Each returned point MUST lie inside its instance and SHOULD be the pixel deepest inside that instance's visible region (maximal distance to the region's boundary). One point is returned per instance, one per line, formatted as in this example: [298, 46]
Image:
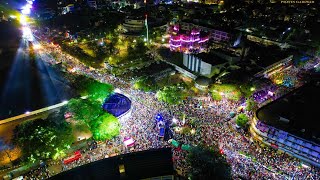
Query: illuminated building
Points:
[215, 35]
[189, 41]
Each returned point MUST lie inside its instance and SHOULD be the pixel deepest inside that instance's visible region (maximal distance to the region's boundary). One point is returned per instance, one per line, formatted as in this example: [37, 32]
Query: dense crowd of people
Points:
[209, 119]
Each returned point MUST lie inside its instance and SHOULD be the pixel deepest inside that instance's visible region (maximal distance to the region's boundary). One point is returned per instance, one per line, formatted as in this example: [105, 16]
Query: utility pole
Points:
[146, 20]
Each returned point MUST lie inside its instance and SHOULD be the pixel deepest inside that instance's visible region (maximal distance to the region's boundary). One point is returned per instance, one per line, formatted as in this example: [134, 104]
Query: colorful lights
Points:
[190, 42]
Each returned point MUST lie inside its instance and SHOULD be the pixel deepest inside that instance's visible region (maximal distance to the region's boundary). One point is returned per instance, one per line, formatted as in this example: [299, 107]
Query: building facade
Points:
[195, 64]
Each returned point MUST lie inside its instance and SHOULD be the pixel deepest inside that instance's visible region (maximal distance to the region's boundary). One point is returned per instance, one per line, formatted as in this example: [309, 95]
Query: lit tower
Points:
[146, 20]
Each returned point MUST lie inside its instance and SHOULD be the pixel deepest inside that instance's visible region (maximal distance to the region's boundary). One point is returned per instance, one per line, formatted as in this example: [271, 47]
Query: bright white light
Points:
[27, 112]
[25, 10]
[145, 39]
[117, 90]
[28, 6]
[23, 20]
[13, 16]
[174, 120]
[65, 102]
[270, 93]
[304, 165]
[26, 33]
[37, 46]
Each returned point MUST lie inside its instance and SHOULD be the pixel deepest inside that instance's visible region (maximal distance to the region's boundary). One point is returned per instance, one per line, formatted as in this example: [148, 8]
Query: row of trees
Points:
[89, 110]
[50, 138]
[43, 139]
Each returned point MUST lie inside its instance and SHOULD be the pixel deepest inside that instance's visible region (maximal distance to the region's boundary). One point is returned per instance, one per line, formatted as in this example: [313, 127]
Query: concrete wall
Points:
[195, 64]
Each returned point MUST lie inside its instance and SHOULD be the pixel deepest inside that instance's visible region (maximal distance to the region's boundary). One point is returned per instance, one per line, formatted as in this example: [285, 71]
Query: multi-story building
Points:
[133, 24]
[193, 41]
[216, 35]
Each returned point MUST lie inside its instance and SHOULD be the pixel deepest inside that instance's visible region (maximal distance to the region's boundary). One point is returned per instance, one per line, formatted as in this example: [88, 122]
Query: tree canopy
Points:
[242, 120]
[250, 104]
[229, 91]
[207, 164]
[43, 139]
[92, 88]
[171, 94]
[85, 110]
[145, 84]
[105, 127]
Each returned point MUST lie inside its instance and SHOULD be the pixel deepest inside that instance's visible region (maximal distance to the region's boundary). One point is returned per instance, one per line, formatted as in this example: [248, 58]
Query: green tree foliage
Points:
[207, 164]
[105, 127]
[43, 139]
[251, 104]
[242, 120]
[247, 89]
[171, 94]
[228, 91]
[92, 88]
[216, 96]
[145, 84]
[85, 110]
[99, 91]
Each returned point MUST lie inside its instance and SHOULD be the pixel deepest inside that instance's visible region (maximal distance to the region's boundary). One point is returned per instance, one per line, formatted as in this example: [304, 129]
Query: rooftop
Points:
[296, 113]
[210, 58]
[138, 165]
[265, 56]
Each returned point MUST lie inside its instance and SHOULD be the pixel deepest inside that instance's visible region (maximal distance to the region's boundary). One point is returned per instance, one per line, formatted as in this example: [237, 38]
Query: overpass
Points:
[33, 113]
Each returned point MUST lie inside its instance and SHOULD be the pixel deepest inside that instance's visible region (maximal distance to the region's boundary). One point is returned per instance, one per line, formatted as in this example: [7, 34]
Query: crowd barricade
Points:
[77, 155]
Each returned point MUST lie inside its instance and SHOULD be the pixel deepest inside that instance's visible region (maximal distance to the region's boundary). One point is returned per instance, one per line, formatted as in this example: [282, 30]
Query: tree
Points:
[43, 139]
[171, 94]
[99, 91]
[92, 88]
[251, 104]
[145, 84]
[207, 164]
[105, 127]
[85, 110]
[216, 96]
[229, 91]
[242, 120]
